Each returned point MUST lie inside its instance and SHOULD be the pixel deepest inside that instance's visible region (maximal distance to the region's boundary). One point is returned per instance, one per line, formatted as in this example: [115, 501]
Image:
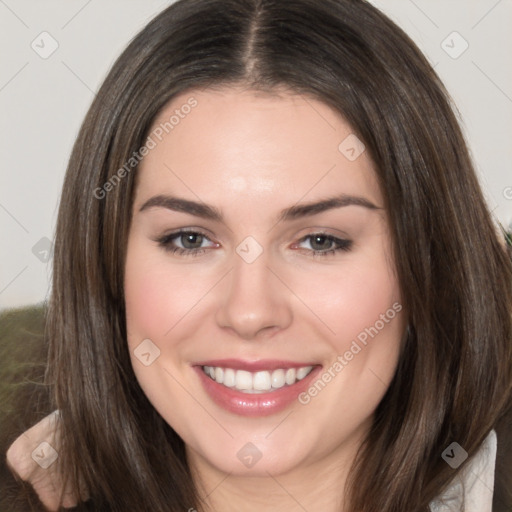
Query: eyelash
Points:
[166, 241]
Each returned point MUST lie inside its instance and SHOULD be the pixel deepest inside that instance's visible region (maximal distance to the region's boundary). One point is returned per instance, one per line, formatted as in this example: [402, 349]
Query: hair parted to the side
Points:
[454, 376]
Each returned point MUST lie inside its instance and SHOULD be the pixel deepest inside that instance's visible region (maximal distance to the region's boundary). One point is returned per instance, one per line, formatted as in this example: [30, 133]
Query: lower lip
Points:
[248, 404]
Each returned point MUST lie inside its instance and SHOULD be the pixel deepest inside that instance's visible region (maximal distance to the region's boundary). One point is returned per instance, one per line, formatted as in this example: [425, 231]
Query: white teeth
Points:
[219, 375]
[302, 372]
[261, 381]
[243, 380]
[257, 382]
[278, 379]
[289, 376]
[229, 378]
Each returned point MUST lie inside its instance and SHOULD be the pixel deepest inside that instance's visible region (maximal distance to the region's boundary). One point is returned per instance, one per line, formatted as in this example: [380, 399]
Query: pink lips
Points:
[261, 404]
[253, 366]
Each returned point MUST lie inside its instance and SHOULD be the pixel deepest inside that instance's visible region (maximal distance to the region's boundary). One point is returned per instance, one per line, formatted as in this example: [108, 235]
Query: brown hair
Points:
[454, 376]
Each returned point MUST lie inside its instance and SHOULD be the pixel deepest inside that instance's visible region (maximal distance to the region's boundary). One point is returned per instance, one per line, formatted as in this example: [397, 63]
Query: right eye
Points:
[186, 242]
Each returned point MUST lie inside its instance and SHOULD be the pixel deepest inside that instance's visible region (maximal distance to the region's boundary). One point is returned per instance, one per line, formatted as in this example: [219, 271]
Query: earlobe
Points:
[32, 457]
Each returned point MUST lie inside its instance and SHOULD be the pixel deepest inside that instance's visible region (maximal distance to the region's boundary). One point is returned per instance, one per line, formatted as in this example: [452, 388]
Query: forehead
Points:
[234, 144]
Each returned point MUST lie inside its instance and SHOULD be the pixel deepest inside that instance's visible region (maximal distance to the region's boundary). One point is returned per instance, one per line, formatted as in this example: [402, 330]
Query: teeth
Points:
[243, 380]
[278, 379]
[229, 378]
[290, 376]
[302, 372]
[261, 381]
[257, 382]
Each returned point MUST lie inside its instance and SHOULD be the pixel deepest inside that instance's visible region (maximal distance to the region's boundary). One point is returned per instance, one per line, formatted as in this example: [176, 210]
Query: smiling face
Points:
[283, 285]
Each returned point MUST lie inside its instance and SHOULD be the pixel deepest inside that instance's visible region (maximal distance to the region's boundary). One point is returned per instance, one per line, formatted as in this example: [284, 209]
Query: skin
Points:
[46, 481]
[251, 156]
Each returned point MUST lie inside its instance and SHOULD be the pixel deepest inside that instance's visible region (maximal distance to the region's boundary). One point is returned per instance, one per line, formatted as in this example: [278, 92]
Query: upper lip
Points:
[254, 366]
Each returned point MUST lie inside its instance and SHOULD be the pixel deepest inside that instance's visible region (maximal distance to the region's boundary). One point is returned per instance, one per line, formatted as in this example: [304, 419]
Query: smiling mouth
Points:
[256, 382]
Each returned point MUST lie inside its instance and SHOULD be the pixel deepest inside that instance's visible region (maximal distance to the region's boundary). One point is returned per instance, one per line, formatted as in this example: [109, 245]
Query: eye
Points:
[186, 242]
[193, 243]
[321, 244]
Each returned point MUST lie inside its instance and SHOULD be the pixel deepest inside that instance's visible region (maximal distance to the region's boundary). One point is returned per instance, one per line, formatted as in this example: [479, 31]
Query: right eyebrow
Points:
[183, 205]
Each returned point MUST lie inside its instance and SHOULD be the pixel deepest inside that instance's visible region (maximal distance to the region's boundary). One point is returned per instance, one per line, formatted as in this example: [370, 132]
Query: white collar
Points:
[475, 485]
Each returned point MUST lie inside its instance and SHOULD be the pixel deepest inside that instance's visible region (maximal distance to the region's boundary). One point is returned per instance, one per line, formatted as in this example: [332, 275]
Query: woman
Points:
[269, 290]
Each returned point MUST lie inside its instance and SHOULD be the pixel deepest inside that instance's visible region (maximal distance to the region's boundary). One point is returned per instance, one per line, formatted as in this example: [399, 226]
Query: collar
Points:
[474, 486]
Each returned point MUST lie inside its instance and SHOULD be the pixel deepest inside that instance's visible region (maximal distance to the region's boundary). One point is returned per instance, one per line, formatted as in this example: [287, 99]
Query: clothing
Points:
[475, 485]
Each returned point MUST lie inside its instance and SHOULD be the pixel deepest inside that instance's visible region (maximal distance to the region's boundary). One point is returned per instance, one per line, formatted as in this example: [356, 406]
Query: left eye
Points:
[320, 243]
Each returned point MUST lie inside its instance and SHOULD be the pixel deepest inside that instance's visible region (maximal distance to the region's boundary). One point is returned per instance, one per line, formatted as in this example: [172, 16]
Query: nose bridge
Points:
[251, 281]
[254, 299]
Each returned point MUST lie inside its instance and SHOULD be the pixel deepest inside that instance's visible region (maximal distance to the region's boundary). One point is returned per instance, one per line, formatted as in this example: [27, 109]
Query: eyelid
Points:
[319, 230]
[179, 231]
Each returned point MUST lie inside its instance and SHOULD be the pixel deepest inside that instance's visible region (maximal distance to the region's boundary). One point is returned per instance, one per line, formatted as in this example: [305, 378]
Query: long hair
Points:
[454, 377]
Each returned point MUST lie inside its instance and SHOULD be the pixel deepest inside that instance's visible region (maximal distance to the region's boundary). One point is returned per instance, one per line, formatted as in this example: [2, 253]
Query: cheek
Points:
[147, 304]
[364, 313]
[157, 295]
[361, 306]
[355, 299]
[152, 309]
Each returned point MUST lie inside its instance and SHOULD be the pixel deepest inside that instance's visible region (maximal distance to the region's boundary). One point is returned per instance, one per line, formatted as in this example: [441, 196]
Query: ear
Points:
[33, 458]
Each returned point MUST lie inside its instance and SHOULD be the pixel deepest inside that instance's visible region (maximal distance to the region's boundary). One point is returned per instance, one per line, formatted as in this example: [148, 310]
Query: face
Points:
[263, 309]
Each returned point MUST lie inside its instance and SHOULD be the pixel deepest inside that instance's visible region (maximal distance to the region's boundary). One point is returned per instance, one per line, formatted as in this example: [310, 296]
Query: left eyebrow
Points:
[294, 212]
[304, 210]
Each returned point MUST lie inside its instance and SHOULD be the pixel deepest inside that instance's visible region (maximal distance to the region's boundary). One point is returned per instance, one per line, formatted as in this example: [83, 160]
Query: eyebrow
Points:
[205, 211]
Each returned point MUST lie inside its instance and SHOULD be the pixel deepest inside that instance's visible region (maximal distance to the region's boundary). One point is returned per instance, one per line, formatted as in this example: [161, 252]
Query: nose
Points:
[254, 302]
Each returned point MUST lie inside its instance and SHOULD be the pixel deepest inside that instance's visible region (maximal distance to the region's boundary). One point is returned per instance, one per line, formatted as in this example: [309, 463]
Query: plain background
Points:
[44, 100]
